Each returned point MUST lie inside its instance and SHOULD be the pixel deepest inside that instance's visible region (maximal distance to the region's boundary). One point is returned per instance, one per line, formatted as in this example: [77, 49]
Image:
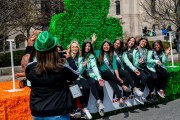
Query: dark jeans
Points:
[139, 81]
[127, 78]
[151, 79]
[60, 117]
[162, 78]
[113, 81]
[96, 89]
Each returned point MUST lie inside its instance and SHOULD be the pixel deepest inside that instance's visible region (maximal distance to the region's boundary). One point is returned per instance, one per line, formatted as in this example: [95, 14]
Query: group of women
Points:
[127, 66]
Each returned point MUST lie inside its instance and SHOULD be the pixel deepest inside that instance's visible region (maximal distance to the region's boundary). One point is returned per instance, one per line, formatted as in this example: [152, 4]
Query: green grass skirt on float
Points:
[173, 86]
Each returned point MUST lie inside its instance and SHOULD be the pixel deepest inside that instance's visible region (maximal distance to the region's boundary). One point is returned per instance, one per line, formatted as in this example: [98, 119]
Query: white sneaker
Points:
[138, 100]
[88, 115]
[76, 113]
[100, 107]
[137, 92]
[128, 104]
[161, 93]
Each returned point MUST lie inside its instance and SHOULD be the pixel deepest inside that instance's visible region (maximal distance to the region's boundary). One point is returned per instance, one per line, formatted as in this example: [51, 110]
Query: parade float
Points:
[80, 21]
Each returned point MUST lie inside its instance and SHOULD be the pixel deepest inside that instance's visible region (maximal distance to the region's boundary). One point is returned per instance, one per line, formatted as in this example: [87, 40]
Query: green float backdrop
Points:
[83, 18]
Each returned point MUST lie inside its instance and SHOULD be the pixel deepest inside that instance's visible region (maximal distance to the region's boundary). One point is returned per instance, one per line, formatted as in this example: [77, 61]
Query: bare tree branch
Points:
[164, 10]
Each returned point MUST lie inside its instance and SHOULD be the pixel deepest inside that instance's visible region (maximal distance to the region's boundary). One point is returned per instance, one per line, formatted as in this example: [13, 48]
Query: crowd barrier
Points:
[15, 106]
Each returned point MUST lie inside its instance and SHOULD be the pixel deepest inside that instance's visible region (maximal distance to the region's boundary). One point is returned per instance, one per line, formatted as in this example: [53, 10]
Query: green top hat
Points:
[45, 42]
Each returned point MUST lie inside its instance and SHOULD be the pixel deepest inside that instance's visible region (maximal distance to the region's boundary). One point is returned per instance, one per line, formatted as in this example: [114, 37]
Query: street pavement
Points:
[168, 111]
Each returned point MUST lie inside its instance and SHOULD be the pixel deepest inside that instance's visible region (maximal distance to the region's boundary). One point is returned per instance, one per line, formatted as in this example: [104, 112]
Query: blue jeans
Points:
[60, 117]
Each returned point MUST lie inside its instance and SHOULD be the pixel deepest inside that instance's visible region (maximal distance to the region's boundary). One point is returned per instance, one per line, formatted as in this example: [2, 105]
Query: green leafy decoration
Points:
[83, 18]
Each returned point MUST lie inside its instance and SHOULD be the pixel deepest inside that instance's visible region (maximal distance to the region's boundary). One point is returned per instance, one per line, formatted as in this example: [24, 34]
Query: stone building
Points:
[131, 15]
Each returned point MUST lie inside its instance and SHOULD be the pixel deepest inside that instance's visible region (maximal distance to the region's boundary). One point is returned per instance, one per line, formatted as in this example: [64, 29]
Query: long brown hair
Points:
[121, 48]
[126, 44]
[83, 48]
[110, 53]
[48, 61]
[147, 43]
[160, 43]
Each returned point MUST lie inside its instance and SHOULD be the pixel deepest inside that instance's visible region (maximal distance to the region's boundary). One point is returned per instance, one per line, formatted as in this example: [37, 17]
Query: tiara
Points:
[87, 40]
[107, 40]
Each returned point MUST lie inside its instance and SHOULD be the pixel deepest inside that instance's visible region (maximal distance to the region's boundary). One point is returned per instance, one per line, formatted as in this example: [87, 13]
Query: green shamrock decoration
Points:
[83, 18]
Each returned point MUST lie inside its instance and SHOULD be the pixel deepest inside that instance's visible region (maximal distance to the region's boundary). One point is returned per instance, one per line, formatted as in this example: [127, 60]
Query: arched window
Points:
[117, 7]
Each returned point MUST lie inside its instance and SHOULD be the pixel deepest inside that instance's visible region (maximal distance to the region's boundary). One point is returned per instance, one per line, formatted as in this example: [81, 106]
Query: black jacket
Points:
[50, 95]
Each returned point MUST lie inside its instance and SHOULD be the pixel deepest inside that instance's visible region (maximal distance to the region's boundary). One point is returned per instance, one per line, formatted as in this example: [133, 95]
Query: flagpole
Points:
[172, 57]
[12, 66]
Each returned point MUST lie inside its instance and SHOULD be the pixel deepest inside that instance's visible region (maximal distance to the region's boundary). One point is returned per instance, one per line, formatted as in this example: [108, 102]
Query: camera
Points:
[24, 83]
[62, 54]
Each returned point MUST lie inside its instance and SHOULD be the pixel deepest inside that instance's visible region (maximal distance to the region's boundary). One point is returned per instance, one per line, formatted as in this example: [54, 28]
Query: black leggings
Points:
[124, 74]
[96, 89]
[151, 79]
[85, 89]
[162, 79]
[139, 81]
[113, 81]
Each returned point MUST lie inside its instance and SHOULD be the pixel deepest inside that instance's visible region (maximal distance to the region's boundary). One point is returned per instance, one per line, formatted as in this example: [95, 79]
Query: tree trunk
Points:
[4, 43]
[28, 33]
[4, 51]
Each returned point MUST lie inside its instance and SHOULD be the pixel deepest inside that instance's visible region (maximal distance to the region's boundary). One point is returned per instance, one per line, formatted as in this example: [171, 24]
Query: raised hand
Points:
[33, 37]
[94, 37]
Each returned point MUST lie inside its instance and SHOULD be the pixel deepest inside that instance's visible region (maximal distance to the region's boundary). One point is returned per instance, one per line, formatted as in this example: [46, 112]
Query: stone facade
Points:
[131, 16]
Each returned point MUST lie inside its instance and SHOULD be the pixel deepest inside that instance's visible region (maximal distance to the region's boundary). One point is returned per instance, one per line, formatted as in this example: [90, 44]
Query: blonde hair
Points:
[69, 47]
